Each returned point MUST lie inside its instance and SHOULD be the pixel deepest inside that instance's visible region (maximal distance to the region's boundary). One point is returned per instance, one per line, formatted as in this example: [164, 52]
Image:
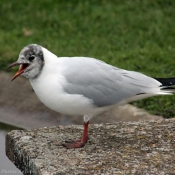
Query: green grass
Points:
[7, 127]
[130, 34]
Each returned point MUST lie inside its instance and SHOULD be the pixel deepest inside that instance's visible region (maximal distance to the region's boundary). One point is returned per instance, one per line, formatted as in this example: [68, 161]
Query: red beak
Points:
[22, 67]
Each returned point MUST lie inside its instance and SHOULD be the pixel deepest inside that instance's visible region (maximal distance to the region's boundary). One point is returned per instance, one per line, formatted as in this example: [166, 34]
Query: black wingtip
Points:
[166, 81]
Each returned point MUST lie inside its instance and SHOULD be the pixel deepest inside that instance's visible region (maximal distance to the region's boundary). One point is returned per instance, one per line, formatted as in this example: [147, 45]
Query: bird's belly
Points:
[68, 105]
[58, 100]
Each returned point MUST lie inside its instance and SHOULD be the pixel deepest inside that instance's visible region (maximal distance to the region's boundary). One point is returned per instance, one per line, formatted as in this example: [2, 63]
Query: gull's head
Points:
[30, 61]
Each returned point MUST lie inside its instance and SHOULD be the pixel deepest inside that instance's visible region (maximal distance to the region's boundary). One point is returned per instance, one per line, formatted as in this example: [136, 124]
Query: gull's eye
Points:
[31, 57]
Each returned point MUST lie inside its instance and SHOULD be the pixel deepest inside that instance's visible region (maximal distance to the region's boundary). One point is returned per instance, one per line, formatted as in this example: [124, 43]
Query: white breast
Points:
[48, 88]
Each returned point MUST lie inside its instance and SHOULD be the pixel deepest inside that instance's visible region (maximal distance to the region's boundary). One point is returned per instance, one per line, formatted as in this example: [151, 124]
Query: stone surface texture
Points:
[140, 148]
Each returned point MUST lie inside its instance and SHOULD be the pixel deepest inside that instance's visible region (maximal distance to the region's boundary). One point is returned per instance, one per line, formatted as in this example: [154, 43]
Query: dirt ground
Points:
[20, 106]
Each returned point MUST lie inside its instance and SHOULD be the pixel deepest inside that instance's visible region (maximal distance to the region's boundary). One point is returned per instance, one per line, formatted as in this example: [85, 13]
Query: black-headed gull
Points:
[84, 86]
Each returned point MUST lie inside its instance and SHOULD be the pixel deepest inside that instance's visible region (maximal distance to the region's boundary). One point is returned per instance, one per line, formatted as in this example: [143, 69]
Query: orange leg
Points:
[78, 143]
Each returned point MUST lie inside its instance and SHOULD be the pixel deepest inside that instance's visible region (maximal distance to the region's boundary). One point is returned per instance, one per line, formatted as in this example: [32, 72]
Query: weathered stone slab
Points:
[119, 148]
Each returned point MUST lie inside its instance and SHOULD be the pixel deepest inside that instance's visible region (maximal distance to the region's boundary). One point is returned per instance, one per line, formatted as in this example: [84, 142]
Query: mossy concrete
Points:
[146, 147]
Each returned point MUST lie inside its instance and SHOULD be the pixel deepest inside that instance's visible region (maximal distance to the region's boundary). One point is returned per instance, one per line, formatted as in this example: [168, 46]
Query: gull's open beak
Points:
[22, 67]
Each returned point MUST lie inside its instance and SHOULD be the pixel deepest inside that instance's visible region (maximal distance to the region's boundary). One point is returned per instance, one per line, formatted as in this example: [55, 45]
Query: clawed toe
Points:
[73, 144]
[73, 141]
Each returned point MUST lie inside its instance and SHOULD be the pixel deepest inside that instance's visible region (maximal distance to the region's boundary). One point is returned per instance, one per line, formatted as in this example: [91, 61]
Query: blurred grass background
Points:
[130, 34]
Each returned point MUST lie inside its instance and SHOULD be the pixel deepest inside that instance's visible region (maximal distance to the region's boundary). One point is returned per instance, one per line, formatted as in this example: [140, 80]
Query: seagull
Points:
[84, 86]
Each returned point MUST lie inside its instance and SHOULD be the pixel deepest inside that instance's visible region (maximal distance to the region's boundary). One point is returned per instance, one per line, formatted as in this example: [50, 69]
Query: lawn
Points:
[130, 34]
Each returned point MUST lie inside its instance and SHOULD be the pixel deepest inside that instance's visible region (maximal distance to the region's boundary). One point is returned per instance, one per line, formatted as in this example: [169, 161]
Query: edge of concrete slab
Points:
[124, 147]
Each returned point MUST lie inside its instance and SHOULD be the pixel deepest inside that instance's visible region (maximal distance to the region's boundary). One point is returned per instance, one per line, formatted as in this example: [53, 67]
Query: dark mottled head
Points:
[31, 61]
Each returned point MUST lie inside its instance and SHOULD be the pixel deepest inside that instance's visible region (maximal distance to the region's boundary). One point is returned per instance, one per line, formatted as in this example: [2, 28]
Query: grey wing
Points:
[104, 84]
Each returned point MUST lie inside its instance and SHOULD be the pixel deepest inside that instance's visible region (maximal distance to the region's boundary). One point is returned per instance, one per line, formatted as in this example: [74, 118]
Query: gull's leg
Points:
[81, 142]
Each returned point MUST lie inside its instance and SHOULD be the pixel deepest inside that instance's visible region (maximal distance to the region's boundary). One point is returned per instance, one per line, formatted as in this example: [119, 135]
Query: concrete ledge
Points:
[119, 148]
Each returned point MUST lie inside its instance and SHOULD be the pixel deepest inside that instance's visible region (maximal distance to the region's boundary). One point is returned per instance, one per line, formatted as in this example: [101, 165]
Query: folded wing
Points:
[104, 84]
